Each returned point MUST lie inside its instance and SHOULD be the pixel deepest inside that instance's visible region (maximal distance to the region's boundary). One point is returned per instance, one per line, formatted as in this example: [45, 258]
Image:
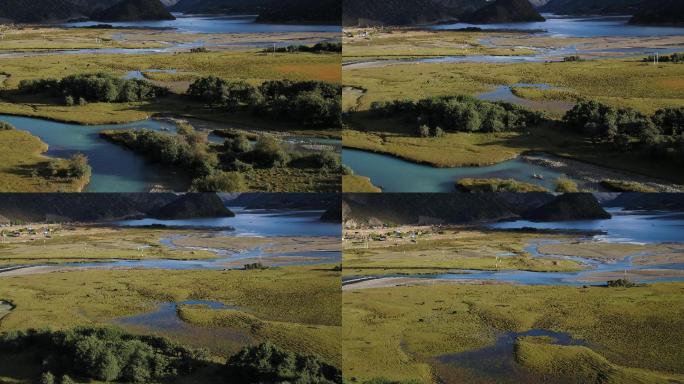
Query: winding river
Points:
[624, 227]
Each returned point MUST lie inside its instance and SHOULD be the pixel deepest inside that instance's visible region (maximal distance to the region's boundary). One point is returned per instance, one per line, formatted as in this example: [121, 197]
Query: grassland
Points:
[84, 244]
[251, 66]
[397, 332]
[358, 184]
[297, 306]
[446, 250]
[24, 167]
[47, 39]
[367, 44]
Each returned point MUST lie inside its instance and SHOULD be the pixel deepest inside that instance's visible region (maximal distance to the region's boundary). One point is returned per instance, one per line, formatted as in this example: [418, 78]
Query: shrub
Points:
[267, 363]
[220, 182]
[439, 132]
[69, 101]
[423, 131]
[565, 185]
[346, 170]
[267, 153]
[237, 144]
[622, 283]
[47, 378]
[78, 167]
[5, 126]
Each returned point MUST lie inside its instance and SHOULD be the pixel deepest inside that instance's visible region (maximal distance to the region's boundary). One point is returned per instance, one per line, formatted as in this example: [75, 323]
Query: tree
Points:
[220, 182]
[423, 131]
[78, 166]
[47, 378]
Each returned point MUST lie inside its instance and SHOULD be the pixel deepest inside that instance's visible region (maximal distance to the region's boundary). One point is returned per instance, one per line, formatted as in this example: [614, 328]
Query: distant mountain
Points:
[593, 7]
[134, 10]
[572, 206]
[405, 12]
[305, 201]
[505, 11]
[192, 205]
[539, 3]
[360, 210]
[660, 12]
[220, 6]
[302, 11]
[92, 207]
[657, 201]
[36, 11]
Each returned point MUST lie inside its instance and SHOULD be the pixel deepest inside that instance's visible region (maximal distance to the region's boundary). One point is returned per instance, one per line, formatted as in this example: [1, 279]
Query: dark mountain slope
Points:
[311, 201]
[192, 205]
[660, 12]
[302, 11]
[220, 6]
[505, 11]
[134, 10]
[572, 206]
[35, 11]
[658, 201]
[396, 209]
[592, 7]
[79, 207]
[405, 12]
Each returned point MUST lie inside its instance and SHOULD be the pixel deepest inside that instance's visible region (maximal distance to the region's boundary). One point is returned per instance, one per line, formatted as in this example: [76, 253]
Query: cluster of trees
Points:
[660, 135]
[112, 355]
[217, 168]
[459, 114]
[317, 48]
[673, 58]
[98, 87]
[106, 354]
[312, 103]
[187, 149]
[267, 363]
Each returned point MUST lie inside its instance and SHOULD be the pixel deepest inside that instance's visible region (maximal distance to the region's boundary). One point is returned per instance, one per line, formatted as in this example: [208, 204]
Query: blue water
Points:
[396, 175]
[578, 27]
[625, 226]
[215, 24]
[257, 223]
[115, 169]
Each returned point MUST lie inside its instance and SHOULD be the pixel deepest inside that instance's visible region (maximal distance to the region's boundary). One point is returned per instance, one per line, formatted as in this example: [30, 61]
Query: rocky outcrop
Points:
[569, 207]
[192, 206]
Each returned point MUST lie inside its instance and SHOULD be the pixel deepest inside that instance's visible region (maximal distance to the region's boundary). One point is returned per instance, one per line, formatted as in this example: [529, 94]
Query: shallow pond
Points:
[505, 93]
[215, 24]
[396, 175]
[165, 321]
[497, 363]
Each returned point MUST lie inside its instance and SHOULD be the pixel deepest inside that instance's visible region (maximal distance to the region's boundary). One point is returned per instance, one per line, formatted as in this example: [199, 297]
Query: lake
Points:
[214, 24]
[561, 26]
[396, 175]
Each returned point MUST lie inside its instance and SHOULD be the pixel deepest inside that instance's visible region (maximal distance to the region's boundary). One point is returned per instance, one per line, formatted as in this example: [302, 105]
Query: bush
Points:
[98, 87]
[267, 153]
[220, 182]
[237, 144]
[423, 131]
[346, 170]
[47, 378]
[5, 126]
[565, 185]
[622, 283]
[267, 363]
[77, 166]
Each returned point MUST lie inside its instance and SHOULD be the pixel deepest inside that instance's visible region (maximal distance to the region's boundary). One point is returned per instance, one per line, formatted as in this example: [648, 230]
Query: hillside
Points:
[219, 6]
[405, 12]
[660, 12]
[302, 11]
[192, 205]
[134, 10]
[88, 207]
[572, 206]
[360, 210]
[592, 7]
[305, 201]
[656, 201]
[79, 207]
[34, 11]
[505, 11]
